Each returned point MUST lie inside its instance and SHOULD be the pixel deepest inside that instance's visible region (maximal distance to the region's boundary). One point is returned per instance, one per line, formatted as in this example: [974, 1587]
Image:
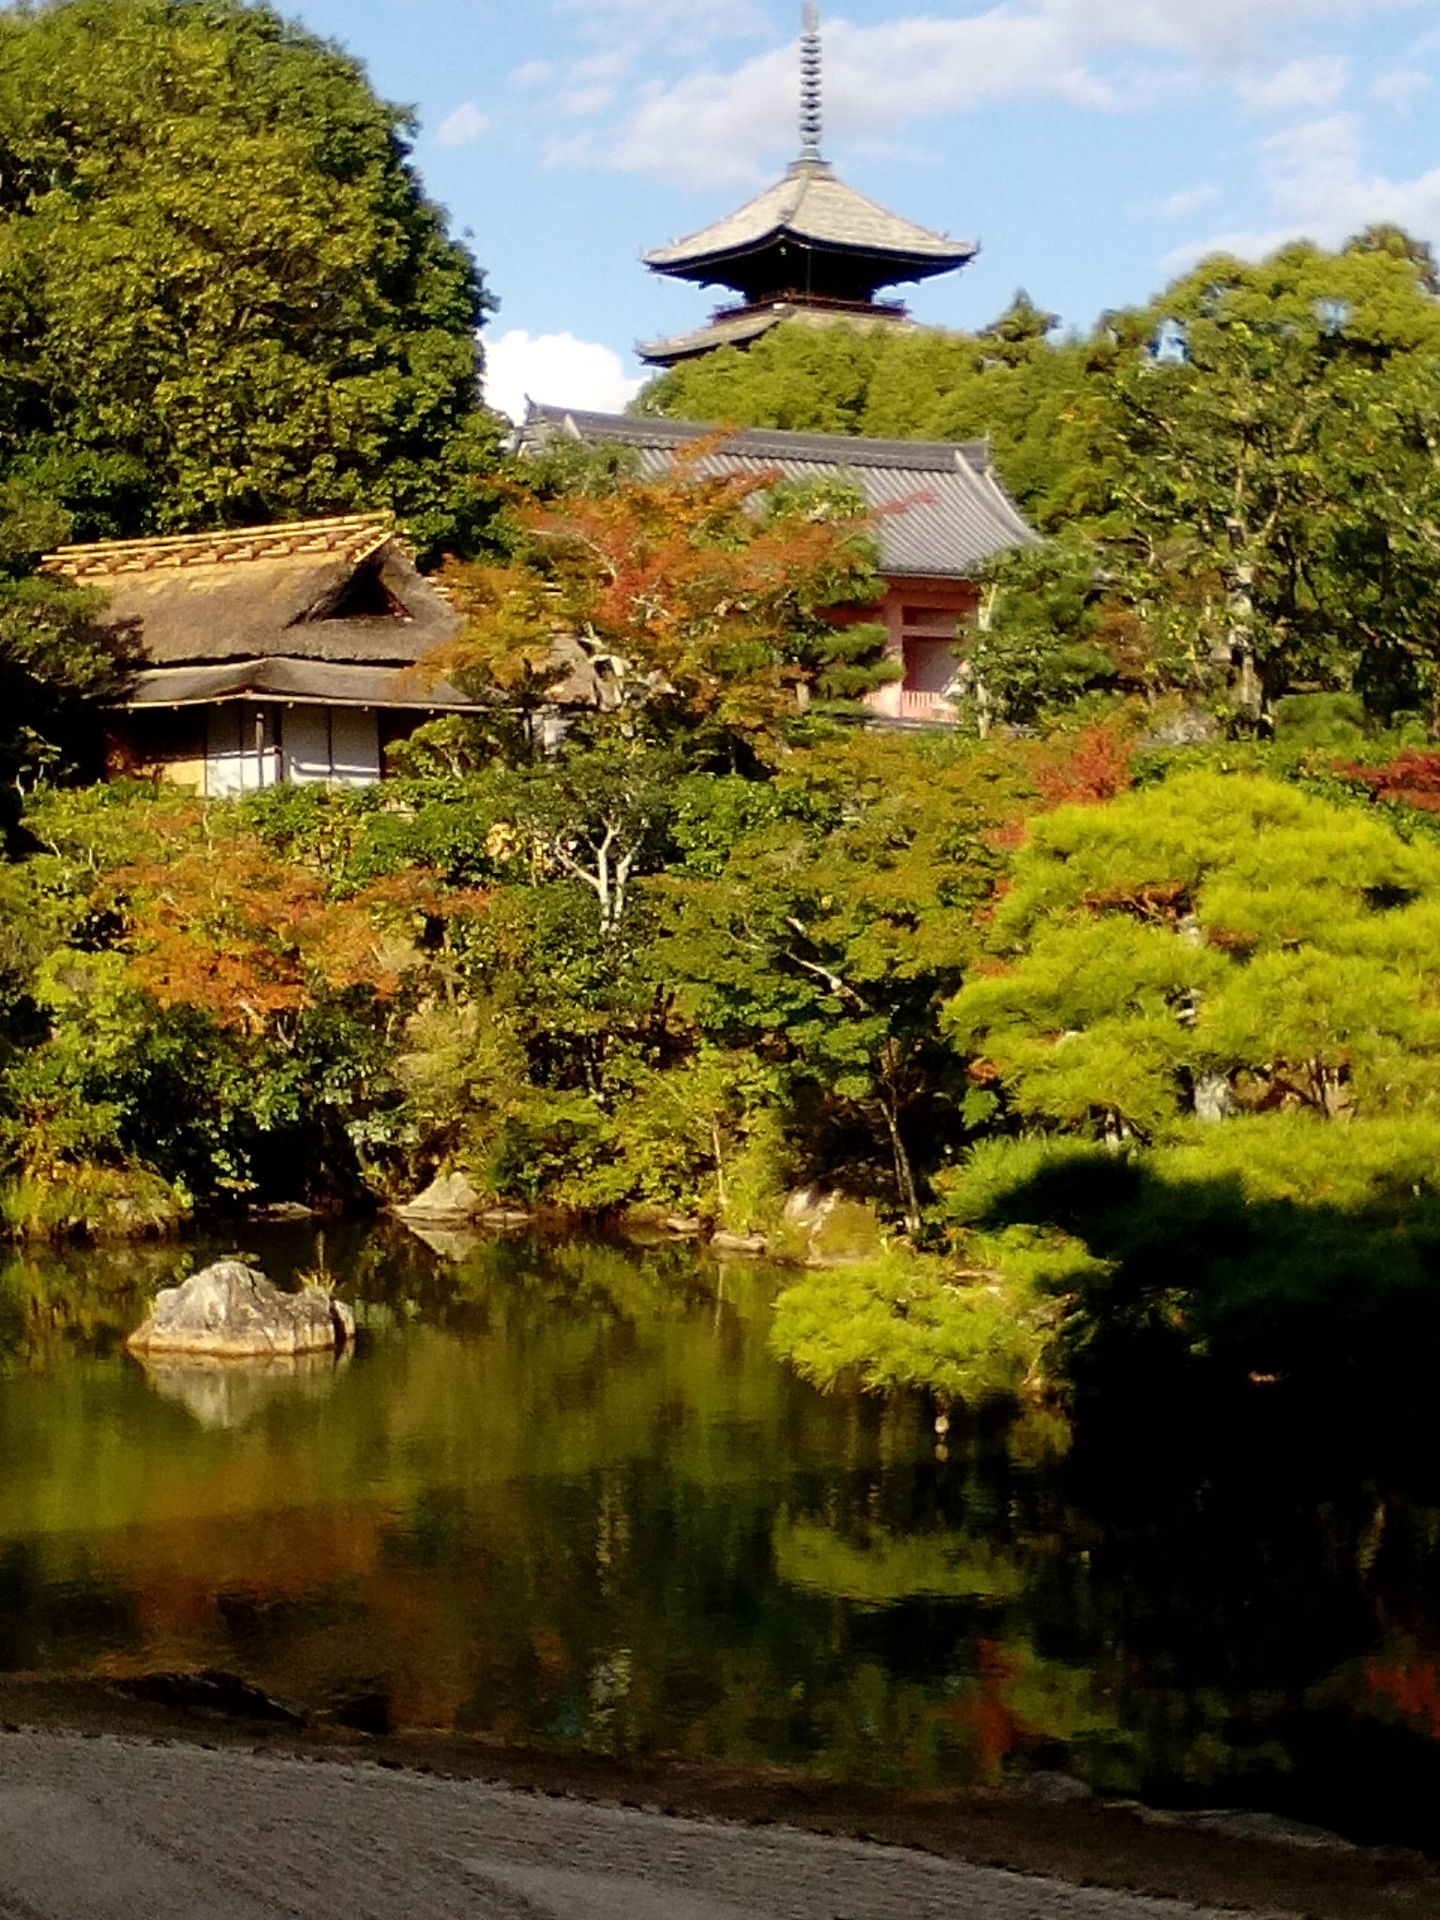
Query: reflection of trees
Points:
[950, 1666]
[67, 1300]
[1240, 1554]
[885, 1567]
[564, 1493]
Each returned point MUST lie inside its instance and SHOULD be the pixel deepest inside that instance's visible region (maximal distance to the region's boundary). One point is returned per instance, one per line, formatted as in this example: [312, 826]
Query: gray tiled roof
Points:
[812, 205]
[942, 510]
[739, 327]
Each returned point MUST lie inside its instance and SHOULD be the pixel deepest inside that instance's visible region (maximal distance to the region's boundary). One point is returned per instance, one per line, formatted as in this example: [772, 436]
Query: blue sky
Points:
[1094, 147]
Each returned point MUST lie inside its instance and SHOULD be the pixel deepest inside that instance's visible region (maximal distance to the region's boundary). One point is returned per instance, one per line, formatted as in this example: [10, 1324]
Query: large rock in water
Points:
[234, 1313]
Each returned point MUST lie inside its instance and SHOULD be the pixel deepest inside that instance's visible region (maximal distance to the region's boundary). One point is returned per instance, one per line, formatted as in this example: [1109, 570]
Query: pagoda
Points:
[809, 248]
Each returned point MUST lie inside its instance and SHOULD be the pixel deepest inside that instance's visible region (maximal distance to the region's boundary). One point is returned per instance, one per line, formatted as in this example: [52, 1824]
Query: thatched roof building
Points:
[267, 654]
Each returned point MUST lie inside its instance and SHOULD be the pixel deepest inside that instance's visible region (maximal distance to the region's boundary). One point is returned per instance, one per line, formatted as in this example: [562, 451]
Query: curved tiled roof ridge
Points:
[941, 511]
[785, 443]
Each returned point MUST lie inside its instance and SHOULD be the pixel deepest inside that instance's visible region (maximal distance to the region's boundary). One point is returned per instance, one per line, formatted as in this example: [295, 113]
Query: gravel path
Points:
[112, 1829]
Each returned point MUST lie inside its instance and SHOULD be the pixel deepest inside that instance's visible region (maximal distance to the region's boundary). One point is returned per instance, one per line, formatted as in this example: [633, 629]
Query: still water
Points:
[562, 1492]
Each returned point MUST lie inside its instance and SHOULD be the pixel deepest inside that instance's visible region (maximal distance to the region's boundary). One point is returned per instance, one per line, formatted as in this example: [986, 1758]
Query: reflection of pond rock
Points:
[223, 1394]
[231, 1312]
[826, 1228]
[210, 1691]
[451, 1243]
[448, 1197]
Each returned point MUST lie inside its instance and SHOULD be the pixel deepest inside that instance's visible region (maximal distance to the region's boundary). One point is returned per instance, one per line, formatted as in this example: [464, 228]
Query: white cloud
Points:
[459, 128]
[582, 103]
[1317, 188]
[1317, 82]
[555, 368]
[533, 73]
[712, 126]
[1227, 32]
[1400, 88]
[1187, 201]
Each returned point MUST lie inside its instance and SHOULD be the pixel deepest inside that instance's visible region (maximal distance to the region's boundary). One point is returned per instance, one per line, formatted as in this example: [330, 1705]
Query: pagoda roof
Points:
[940, 510]
[815, 209]
[728, 330]
[743, 325]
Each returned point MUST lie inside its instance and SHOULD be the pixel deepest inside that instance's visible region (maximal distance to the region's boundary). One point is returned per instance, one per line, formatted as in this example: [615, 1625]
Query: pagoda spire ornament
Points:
[809, 248]
[812, 61]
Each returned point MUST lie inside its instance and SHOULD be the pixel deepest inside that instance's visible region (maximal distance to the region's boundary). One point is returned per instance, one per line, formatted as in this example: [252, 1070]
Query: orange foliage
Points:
[678, 584]
[1094, 768]
[1412, 1688]
[218, 921]
[1411, 779]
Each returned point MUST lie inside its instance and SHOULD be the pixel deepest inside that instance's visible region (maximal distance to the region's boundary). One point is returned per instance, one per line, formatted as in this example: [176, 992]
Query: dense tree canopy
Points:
[1239, 478]
[55, 658]
[223, 296]
[1009, 383]
[1216, 945]
[1270, 477]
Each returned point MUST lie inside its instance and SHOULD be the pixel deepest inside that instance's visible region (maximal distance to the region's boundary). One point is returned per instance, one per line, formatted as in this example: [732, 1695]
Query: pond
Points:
[563, 1493]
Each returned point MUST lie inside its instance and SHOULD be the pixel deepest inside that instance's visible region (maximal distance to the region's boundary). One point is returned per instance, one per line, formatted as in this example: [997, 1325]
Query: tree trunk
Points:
[904, 1174]
[718, 1154]
[1240, 609]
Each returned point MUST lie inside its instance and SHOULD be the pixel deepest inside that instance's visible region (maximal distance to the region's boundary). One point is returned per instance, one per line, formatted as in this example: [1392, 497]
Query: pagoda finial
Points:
[810, 82]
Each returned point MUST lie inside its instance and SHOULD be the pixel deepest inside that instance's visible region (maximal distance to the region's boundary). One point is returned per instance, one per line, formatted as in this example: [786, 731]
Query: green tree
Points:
[1267, 451]
[223, 295]
[1209, 1021]
[1215, 944]
[826, 939]
[1048, 636]
[55, 658]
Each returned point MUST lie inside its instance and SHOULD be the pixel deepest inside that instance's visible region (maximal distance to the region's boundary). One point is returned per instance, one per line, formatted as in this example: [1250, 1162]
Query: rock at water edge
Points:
[826, 1228]
[449, 1196]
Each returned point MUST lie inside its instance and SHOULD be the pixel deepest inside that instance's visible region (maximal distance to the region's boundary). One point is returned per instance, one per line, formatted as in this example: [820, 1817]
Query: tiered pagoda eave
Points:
[807, 247]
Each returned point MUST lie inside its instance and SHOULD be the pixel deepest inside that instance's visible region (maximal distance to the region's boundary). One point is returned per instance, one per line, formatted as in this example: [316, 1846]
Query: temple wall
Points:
[923, 618]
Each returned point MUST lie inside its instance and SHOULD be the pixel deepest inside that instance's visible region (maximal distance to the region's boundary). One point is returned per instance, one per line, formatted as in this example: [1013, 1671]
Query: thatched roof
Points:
[941, 511]
[333, 611]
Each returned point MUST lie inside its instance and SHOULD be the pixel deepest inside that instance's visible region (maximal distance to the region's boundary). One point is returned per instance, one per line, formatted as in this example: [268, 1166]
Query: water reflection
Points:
[451, 1243]
[231, 1393]
[564, 1492]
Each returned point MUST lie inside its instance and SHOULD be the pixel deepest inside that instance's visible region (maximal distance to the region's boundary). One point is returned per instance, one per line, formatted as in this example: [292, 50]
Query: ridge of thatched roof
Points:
[349, 536]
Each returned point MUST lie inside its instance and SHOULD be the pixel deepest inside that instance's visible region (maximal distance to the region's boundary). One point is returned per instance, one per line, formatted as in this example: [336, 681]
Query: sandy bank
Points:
[110, 1808]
